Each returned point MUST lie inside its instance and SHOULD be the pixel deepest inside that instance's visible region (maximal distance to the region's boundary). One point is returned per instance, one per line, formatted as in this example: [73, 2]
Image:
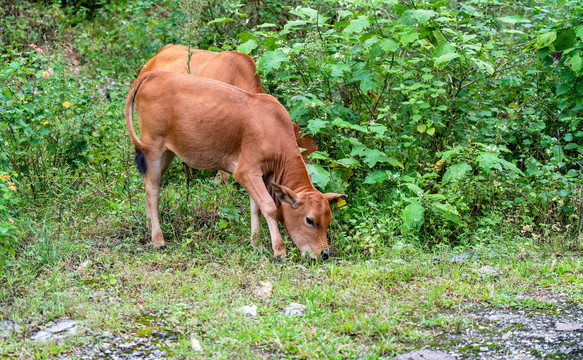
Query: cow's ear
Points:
[286, 195]
[333, 198]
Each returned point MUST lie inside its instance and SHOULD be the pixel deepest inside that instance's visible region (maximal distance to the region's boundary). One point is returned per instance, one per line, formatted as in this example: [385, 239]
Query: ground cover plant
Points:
[454, 128]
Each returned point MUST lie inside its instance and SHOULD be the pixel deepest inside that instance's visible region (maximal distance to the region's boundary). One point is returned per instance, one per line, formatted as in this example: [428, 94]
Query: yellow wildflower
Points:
[44, 122]
[46, 74]
[66, 104]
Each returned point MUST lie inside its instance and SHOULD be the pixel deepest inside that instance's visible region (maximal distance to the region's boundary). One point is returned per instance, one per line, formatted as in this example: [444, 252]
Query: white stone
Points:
[195, 344]
[295, 309]
[250, 310]
[57, 331]
[264, 290]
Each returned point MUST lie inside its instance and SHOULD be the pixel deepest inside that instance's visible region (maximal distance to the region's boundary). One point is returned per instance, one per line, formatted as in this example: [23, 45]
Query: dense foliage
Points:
[445, 122]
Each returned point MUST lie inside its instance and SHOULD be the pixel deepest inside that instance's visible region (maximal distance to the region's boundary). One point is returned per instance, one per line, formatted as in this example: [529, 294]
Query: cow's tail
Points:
[139, 158]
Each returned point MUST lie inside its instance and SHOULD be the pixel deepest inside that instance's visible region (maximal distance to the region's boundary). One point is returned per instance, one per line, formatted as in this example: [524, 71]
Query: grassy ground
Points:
[355, 307]
[84, 253]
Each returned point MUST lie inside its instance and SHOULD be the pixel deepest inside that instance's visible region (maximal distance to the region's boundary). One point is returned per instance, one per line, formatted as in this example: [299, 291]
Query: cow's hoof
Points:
[278, 259]
[161, 248]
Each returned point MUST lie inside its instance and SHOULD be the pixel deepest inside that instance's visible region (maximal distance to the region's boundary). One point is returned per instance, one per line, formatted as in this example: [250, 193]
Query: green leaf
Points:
[484, 66]
[456, 172]
[579, 32]
[319, 155]
[247, 46]
[431, 131]
[339, 69]
[389, 45]
[413, 215]
[374, 156]
[320, 177]
[422, 16]
[488, 160]
[366, 80]
[445, 59]
[571, 146]
[513, 19]
[348, 162]
[409, 37]
[220, 20]
[266, 25]
[376, 177]
[271, 60]
[415, 189]
[315, 125]
[546, 39]
[510, 166]
[447, 211]
[7, 93]
[577, 64]
[563, 89]
[444, 53]
[421, 128]
[356, 25]
[394, 162]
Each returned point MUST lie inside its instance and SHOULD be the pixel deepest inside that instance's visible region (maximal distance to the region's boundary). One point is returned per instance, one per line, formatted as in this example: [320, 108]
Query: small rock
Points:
[6, 327]
[195, 344]
[484, 348]
[489, 271]
[126, 346]
[565, 326]
[468, 255]
[250, 310]
[57, 331]
[295, 309]
[425, 355]
[265, 290]
[507, 336]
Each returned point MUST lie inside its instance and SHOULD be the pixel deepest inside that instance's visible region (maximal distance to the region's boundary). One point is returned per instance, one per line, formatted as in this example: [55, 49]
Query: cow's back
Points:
[229, 67]
[210, 124]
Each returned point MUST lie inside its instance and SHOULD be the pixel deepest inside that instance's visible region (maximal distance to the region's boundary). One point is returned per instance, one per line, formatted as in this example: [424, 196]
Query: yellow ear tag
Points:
[341, 202]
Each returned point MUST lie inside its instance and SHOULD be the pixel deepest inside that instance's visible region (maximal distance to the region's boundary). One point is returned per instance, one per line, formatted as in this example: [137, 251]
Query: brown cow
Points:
[231, 67]
[212, 125]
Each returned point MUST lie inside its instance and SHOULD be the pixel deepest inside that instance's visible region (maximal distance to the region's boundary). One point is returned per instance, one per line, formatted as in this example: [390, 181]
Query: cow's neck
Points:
[290, 172]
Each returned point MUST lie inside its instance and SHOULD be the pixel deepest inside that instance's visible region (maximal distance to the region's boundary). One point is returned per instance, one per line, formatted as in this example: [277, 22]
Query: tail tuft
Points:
[140, 160]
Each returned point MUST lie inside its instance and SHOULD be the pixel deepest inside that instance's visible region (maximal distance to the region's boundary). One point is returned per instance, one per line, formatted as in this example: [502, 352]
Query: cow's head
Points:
[307, 216]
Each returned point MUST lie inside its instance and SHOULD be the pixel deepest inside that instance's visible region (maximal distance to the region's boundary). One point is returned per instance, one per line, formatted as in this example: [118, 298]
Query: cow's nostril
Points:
[325, 254]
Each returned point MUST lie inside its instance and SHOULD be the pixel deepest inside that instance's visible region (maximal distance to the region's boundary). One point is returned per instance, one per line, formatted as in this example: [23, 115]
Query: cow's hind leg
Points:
[157, 165]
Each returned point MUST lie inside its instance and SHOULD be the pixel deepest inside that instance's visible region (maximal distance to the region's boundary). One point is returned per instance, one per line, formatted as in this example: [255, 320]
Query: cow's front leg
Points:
[260, 198]
[255, 224]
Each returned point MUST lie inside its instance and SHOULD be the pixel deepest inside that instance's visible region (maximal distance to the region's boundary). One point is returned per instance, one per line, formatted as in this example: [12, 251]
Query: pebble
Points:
[567, 326]
[250, 310]
[489, 271]
[425, 355]
[295, 309]
[195, 344]
[6, 328]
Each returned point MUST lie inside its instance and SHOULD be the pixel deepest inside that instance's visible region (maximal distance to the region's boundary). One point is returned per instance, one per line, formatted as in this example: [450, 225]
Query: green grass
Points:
[355, 307]
[84, 252]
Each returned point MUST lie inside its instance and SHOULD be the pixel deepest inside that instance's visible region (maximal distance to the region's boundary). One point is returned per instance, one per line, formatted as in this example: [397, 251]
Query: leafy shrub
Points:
[8, 238]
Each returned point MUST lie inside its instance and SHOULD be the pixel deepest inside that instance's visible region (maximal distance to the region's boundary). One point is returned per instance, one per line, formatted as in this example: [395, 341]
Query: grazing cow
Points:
[230, 67]
[212, 125]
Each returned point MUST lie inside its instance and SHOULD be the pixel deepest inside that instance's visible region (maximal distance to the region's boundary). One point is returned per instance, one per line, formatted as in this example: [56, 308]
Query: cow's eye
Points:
[310, 221]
